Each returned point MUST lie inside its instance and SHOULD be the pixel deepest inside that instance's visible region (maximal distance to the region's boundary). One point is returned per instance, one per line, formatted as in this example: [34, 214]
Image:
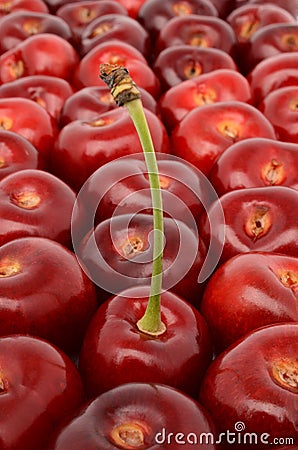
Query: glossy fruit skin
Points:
[256, 219]
[285, 121]
[246, 368]
[48, 214]
[41, 388]
[27, 5]
[30, 120]
[154, 15]
[256, 16]
[273, 73]
[37, 55]
[97, 142]
[212, 87]
[224, 124]
[17, 153]
[115, 26]
[132, 7]
[249, 291]
[271, 40]
[92, 101]
[106, 256]
[199, 31]
[256, 162]
[18, 26]
[179, 63]
[122, 187]
[80, 14]
[47, 91]
[288, 5]
[106, 360]
[152, 407]
[116, 52]
[49, 296]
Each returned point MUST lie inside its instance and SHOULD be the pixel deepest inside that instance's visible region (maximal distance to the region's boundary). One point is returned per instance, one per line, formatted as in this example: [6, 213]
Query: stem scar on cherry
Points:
[126, 93]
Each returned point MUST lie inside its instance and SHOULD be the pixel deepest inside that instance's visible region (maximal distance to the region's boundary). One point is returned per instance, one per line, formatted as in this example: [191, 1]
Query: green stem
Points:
[126, 93]
[151, 321]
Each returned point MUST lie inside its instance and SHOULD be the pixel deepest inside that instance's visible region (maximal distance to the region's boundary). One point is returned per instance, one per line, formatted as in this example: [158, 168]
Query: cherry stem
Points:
[126, 93]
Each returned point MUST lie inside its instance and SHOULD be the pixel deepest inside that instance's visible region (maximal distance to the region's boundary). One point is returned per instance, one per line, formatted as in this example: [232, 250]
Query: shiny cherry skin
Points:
[47, 91]
[183, 62]
[269, 41]
[256, 219]
[114, 351]
[80, 14]
[115, 51]
[122, 187]
[40, 386]
[256, 162]
[154, 15]
[17, 153]
[224, 124]
[21, 5]
[248, 291]
[37, 55]
[199, 31]
[137, 415]
[45, 292]
[30, 120]
[250, 17]
[115, 26]
[18, 26]
[212, 87]
[285, 100]
[35, 203]
[118, 255]
[273, 73]
[261, 371]
[97, 143]
[89, 102]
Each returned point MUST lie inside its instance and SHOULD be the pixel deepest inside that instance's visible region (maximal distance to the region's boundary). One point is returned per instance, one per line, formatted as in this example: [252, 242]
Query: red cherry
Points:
[216, 86]
[115, 26]
[8, 7]
[121, 53]
[198, 31]
[256, 219]
[107, 359]
[154, 15]
[80, 14]
[183, 62]
[30, 120]
[47, 91]
[118, 255]
[39, 386]
[44, 292]
[138, 415]
[273, 73]
[256, 162]
[281, 109]
[35, 203]
[91, 138]
[38, 55]
[248, 291]
[19, 25]
[224, 124]
[261, 371]
[17, 153]
[92, 101]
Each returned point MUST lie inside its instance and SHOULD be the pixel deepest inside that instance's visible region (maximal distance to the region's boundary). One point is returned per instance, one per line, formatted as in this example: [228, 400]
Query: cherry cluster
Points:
[218, 81]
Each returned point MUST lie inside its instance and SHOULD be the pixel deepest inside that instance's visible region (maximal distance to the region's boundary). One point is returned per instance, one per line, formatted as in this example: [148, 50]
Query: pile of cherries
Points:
[219, 86]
